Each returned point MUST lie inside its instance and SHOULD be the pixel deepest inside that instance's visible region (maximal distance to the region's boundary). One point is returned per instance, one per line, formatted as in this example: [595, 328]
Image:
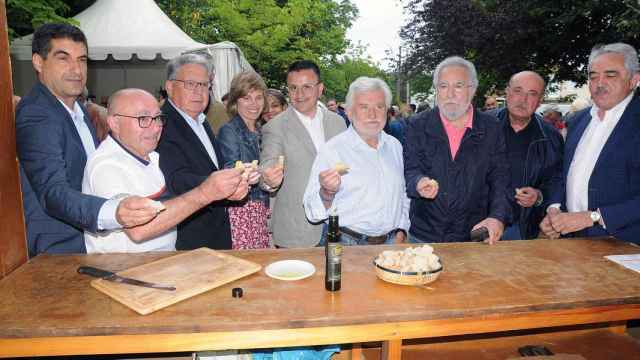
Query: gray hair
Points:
[366, 84]
[456, 61]
[626, 50]
[174, 65]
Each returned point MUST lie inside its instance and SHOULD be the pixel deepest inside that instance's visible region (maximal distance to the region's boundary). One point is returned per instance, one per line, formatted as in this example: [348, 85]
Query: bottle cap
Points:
[236, 292]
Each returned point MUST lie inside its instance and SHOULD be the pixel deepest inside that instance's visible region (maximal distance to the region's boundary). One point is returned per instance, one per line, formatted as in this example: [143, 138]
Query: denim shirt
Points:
[237, 142]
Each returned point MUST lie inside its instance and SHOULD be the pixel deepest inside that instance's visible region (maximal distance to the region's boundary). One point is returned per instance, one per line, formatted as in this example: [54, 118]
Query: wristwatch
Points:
[595, 216]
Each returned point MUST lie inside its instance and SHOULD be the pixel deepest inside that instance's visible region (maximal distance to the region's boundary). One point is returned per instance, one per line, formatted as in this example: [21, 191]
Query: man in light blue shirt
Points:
[369, 196]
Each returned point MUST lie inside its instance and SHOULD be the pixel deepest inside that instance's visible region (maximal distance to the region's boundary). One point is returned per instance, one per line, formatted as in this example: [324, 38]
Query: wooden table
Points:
[46, 308]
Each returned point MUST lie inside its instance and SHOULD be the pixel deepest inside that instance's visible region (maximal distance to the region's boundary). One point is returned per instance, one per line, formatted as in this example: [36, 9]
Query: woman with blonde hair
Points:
[240, 142]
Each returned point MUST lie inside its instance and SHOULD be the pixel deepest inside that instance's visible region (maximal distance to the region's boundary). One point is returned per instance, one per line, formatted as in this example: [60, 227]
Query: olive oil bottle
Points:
[333, 255]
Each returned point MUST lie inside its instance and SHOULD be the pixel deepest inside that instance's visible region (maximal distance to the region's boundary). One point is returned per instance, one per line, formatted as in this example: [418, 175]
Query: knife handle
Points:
[479, 234]
[95, 272]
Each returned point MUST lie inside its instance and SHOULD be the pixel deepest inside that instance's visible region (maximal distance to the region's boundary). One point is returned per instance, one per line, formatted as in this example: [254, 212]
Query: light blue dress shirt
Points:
[198, 128]
[107, 214]
[372, 198]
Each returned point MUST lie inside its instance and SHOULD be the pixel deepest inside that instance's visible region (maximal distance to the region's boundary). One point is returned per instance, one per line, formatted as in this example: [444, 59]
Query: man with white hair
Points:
[126, 163]
[456, 167]
[360, 172]
[600, 195]
[189, 151]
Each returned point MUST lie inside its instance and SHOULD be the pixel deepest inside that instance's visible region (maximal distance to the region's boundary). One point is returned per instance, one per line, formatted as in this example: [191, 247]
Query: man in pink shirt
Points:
[456, 169]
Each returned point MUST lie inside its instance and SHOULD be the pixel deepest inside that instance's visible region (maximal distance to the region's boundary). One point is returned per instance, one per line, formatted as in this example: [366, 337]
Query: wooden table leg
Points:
[391, 349]
[618, 327]
[356, 351]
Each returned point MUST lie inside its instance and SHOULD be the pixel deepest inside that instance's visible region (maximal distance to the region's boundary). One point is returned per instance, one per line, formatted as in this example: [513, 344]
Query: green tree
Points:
[502, 37]
[339, 73]
[271, 33]
[23, 16]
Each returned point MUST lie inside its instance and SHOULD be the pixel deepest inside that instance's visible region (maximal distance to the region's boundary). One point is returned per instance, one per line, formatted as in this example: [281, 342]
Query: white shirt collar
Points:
[615, 112]
[198, 121]
[359, 141]
[307, 118]
[76, 113]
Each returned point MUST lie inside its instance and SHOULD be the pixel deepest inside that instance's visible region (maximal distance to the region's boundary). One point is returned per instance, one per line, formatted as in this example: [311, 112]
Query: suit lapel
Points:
[572, 141]
[214, 143]
[623, 128]
[294, 126]
[186, 132]
[68, 121]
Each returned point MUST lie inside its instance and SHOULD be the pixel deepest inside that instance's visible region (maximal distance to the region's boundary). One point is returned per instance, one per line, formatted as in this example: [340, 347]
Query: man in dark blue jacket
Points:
[456, 169]
[534, 153]
[54, 137]
[600, 194]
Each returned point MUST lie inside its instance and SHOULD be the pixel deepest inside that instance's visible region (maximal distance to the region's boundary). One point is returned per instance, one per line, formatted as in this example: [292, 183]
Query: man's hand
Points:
[526, 196]
[427, 188]
[135, 210]
[222, 184]
[546, 227]
[330, 181]
[272, 176]
[241, 191]
[567, 222]
[400, 237]
[495, 228]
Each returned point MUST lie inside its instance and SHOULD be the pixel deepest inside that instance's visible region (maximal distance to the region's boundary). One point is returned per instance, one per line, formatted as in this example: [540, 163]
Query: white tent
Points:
[130, 43]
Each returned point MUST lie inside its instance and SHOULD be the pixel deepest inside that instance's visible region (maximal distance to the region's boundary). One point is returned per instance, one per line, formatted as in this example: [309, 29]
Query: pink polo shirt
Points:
[454, 134]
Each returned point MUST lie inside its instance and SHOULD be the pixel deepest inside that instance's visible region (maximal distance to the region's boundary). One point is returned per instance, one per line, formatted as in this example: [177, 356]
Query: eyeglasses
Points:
[457, 86]
[306, 88]
[145, 121]
[193, 85]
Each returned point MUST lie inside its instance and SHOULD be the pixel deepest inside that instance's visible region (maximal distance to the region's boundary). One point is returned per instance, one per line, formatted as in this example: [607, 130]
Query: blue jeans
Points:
[350, 240]
[512, 233]
[412, 239]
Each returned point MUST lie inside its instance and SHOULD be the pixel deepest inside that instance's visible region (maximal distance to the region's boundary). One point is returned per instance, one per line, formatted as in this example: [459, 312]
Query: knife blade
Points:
[110, 276]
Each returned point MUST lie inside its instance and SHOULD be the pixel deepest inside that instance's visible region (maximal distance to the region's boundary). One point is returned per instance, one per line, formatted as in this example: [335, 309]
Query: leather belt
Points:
[372, 240]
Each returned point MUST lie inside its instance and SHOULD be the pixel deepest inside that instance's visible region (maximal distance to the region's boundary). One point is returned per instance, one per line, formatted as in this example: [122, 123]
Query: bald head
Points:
[131, 117]
[524, 95]
[124, 97]
[528, 76]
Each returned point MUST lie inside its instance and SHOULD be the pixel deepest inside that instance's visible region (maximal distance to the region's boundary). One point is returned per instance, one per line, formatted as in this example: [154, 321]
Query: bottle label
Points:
[334, 261]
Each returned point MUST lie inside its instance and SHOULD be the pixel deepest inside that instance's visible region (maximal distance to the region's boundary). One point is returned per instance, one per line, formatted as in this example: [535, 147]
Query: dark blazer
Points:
[237, 142]
[186, 164]
[471, 188]
[542, 170]
[53, 158]
[614, 185]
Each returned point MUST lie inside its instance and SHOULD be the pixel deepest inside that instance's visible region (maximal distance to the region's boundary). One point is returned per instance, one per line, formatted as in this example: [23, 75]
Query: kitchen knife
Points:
[109, 276]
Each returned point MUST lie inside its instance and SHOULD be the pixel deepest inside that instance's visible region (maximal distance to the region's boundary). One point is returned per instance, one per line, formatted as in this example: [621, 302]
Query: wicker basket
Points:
[407, 278]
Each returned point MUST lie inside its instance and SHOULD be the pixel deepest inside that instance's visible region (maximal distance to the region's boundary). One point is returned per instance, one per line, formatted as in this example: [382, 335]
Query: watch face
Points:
[595, 216]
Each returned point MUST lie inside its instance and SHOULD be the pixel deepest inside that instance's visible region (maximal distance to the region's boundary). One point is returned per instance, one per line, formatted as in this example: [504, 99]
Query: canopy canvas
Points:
[130, 43]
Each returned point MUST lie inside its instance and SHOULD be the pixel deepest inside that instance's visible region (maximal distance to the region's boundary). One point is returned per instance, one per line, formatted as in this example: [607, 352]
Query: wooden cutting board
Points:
[192, 273]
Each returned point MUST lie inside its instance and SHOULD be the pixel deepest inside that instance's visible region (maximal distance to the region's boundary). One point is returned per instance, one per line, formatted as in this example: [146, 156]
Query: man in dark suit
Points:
[54, 136]
[189, 151]
[455, 163]
[600, 195]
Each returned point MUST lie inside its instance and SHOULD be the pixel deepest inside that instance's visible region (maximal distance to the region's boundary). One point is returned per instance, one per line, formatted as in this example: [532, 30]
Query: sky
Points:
[377, 26]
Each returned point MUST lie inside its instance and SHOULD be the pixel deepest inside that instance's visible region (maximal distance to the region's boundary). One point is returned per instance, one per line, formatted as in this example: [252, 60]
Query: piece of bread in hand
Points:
[341, 168]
